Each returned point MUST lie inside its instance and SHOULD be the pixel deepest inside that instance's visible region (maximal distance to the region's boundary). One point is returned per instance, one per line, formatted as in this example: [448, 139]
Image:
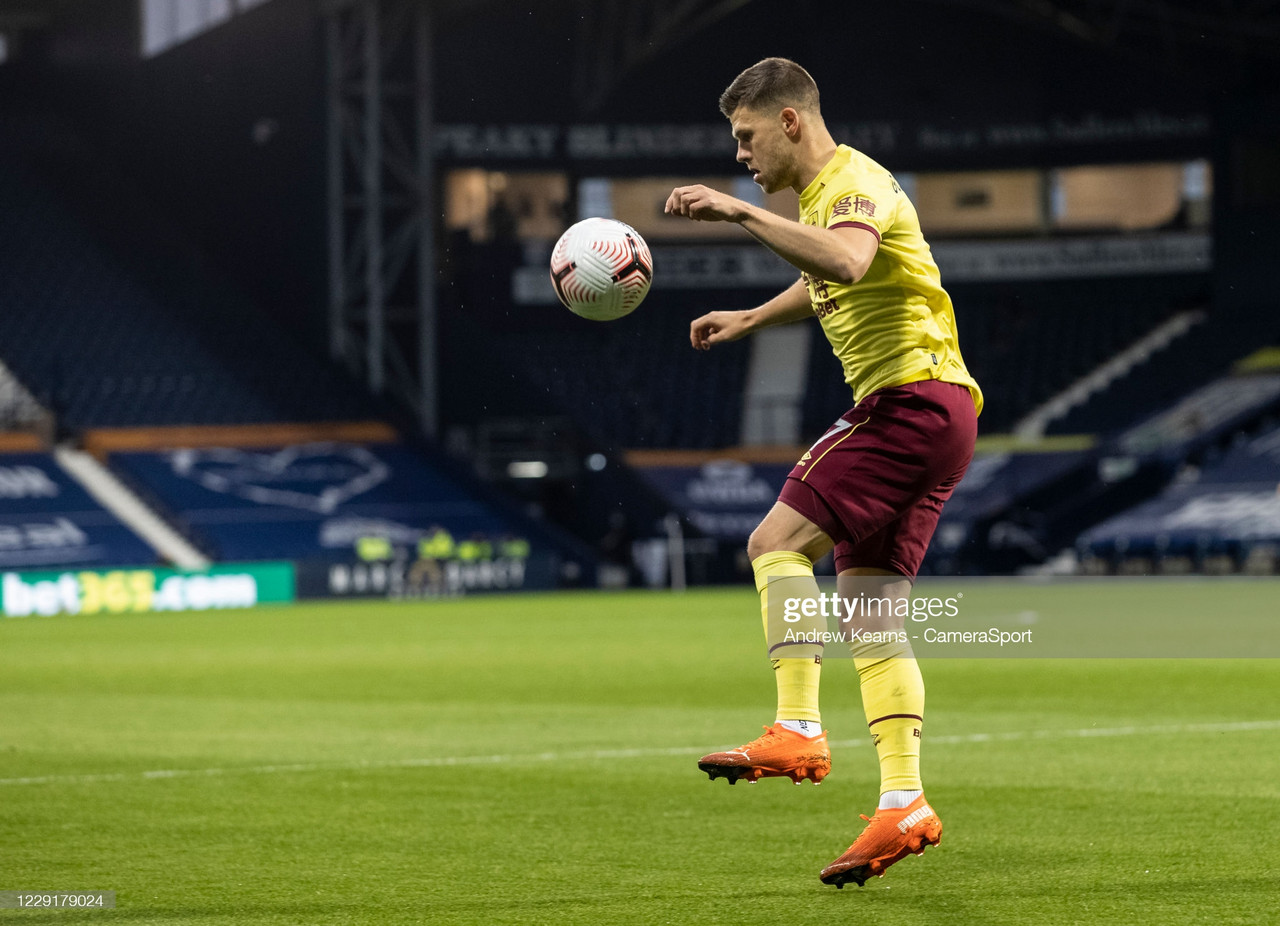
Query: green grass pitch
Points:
[531, 759]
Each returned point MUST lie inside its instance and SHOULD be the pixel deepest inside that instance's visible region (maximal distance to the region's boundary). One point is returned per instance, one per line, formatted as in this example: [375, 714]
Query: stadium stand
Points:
[1014, 511]
[1229, 509]
[48, 519]
[660, 398]
[724, 498]
[1026, 341]
[1145, 389]
[19, 410]
[1202, 417]
[110, 318]
[306, 502]
[545, 361]
[986, 518]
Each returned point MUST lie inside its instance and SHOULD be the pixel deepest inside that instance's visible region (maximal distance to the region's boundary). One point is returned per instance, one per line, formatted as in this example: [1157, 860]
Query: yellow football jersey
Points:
[896, 325]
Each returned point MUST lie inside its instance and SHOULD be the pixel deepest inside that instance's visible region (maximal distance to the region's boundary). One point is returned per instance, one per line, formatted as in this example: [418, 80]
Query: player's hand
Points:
[718, 328]
[705, 204]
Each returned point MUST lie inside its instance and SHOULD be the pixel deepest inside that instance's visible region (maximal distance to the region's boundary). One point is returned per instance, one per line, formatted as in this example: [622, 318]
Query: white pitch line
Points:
[600, 755]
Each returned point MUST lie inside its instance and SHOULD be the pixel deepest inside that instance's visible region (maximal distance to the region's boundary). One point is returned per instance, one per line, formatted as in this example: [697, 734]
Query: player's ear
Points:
[790, 121]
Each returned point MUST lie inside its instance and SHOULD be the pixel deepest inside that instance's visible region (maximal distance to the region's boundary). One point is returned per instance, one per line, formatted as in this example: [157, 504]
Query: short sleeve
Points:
[869, 208]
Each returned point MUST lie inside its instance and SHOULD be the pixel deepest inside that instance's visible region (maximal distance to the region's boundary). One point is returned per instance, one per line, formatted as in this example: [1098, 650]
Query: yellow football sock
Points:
[893, 699]
[796, 676]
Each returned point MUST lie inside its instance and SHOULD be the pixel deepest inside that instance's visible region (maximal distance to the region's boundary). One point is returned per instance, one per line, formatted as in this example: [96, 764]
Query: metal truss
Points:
[381, 179]
[381, 198]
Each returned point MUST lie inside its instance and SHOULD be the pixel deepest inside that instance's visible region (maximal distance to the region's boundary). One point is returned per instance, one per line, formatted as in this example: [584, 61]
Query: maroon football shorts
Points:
[877, 480]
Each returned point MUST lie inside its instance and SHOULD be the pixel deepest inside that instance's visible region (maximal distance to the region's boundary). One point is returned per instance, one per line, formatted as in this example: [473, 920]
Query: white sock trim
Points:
[896, 800]
[809, 728]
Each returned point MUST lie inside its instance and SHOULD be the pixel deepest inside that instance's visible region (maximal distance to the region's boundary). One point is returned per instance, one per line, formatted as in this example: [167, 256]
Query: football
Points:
[601, 269]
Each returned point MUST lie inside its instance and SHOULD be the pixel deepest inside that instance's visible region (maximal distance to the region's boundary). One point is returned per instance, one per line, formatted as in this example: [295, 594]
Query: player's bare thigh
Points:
[868, 583]
[785, 529]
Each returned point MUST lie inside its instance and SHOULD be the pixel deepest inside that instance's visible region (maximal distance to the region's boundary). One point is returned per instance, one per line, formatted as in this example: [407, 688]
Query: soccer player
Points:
[873, 486]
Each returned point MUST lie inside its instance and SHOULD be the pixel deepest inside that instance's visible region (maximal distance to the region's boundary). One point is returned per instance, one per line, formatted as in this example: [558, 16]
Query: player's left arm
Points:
[837, 255]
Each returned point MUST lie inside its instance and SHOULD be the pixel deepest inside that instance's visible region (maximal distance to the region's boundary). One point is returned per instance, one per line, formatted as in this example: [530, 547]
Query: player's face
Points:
[764, 147]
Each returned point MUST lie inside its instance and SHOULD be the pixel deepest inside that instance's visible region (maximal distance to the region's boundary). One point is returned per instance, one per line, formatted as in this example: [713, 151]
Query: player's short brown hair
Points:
[776, 82]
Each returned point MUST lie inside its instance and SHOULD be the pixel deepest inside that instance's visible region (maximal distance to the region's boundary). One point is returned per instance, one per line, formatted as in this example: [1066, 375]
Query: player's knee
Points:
[763, 540]
[776, 536]
[756, 546]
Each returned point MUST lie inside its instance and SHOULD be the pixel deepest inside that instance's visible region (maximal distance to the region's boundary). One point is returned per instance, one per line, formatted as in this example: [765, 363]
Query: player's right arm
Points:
[790, 305]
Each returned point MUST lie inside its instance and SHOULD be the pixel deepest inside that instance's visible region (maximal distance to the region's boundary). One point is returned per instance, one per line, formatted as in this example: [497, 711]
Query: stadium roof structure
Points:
[1248, 27]
[617, 36]
[1154, 33]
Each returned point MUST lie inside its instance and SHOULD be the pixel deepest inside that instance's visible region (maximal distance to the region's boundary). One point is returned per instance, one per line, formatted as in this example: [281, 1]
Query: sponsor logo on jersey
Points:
[858, 205]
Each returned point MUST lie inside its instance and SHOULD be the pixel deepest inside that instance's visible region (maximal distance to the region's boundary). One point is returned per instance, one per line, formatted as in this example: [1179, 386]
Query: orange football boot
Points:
[778, 752]
[889, 836]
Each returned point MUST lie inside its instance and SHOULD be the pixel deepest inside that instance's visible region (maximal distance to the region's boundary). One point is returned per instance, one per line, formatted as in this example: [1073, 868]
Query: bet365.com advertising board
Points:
[133, 591]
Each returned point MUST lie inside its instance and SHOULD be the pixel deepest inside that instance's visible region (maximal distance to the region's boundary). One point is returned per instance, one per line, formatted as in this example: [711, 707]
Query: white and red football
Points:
[601, 269]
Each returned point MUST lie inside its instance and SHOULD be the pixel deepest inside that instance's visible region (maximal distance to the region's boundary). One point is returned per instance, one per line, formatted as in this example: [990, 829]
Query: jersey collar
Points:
[838, 160]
